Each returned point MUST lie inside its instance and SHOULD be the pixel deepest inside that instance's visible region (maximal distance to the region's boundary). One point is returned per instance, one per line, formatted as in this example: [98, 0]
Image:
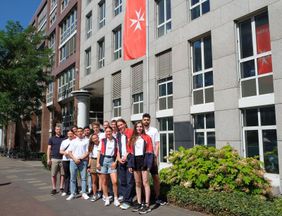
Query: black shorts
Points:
[139, 163]
[154, 169]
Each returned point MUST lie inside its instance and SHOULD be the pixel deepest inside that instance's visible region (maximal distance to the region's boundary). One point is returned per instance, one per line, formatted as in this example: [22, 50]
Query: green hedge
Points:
[224, 203]
[44, 161]
[215, 169]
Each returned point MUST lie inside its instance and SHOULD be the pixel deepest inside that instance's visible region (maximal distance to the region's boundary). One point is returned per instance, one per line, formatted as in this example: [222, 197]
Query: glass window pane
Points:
[246, 43]
[209, 95]
[199, 121]
[248, 69]
[141, 107]
[162, 90]
[206, 7]
[162, 103]
[208, 78]
[169, 102]
[198, 97]
[264, 65]
[248, 88]
[210, 120]
[211, 139]
[163, 124]
[161, 31]
[252, 143]
[199, 138]
[197, 58]
[270, 151]
[170, 142]
[168, 9]
[267, 115]
[194, 2]
[163, 143]
[170, 123]
[251, 117]
[135, 108]
[262, 33]
[265, 85]
[161, 11]
[198, 81]
[169, 88]
[195, 12]
[168, 26]
[208, 52]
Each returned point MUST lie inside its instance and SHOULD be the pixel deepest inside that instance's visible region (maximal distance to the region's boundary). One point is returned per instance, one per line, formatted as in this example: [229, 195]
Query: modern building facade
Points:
[214, 76]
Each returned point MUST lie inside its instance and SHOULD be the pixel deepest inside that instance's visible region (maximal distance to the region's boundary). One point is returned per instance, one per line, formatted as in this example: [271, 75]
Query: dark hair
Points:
[96, 123]
[86, 127]
[123, 121]
[109, 127]
[79, 128]
[135, 134]
[146, 115]
[74, 126]
[114, 121]
[91, 143]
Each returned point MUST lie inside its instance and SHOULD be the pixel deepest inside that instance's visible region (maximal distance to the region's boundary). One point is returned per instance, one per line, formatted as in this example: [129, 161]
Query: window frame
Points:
[88, 25]
[88, 61]
[200, 3]
[101, 53]
[117, 41]
[117, 7]
[117, 107]
[166, 21]
[101, 14]
[165, 82]
[166, 132]
[139, 103]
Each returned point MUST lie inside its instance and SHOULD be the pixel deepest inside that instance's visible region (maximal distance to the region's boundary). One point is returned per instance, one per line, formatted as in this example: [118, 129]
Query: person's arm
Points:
[84, 156]
[98, 160]
[49, 155]
[76, 160]
[157, 148]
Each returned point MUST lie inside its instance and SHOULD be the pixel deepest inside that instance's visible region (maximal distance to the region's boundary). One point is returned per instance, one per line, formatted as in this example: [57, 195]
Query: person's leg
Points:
[138, 185]
[114, 183]
[156, 182]
[122, 183]
[54, 172]
[146, 184]
[89, 182]
[94, 182]
[73, 175]
[66, 166]
[130, 192]
[104, 179]
[82, 169]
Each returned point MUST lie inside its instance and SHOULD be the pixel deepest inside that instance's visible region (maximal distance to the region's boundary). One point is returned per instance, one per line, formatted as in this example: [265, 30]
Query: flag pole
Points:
[147, 57]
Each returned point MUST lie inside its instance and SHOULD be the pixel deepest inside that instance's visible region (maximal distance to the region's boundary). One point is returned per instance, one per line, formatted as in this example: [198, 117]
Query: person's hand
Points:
[77, 161]
[114, 165]
[98, 166]
[49, 162]
[130, 170]
[121, 161]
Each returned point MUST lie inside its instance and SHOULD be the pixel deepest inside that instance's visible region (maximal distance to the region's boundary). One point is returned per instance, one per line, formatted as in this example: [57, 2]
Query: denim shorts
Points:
[106, 168]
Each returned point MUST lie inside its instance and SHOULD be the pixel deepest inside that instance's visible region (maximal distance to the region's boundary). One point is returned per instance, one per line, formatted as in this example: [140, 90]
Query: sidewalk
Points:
[25, 190]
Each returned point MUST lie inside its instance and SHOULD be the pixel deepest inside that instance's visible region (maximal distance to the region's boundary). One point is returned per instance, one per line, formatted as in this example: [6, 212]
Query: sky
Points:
[17, 10]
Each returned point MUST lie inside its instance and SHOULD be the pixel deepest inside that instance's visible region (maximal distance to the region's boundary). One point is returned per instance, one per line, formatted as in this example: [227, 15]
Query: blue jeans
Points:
[126, 183]
[82, 166]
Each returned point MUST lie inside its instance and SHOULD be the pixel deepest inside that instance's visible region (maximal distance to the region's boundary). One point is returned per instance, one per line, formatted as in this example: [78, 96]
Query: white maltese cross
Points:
[136, 22]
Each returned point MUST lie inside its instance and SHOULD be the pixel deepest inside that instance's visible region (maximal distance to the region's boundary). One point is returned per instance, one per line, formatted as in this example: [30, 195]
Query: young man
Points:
[78, 152]
[155, 136]
[126, 178]
[54, 159]
[86, 133]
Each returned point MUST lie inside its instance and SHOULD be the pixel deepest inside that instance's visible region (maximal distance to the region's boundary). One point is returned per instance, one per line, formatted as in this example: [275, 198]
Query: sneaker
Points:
[124, 206]
[99, 195]
[70, 197]
[94, 198]
[160, 202]
[110, 198]
[63, 194]
[144, 210]
[61, 190]
[53, 192]
[116, 202]
[107, 201]
[136, 207]
[85, 196]
[120, 198]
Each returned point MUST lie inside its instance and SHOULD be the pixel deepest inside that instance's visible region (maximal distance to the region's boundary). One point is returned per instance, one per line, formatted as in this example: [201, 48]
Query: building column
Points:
[82, 97]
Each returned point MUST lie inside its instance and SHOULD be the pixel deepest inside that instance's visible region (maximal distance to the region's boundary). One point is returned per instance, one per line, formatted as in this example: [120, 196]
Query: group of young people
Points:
[115, 163]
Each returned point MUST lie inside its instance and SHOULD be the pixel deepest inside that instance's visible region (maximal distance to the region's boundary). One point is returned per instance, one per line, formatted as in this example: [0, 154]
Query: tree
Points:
[23, 77]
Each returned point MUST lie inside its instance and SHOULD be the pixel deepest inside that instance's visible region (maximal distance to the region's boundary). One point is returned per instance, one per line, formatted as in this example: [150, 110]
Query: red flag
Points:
[264, 64]
[263, 38]
[134, 35]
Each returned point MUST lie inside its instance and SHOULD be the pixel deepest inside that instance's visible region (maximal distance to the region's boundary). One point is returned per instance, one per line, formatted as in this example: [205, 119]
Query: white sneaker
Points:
[120, 198]
[71, 197]
[107, 201]
[85, 196]
[64, 194]
[110, 198]
[116, 202]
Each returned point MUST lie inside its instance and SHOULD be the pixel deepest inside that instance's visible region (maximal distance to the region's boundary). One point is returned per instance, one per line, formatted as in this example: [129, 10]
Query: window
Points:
[89, 25]
[117, 7]
[164, 17]
[49, 95]
[199, 7]
[137, 88]
[204, 129]
[67, 117]
[64, 4]
[202, 71]
[53, 4]
[88, 61]
[51, 45]
[53, 17]
[255, 57]
[66, 84]
[165, 94]
[102, 14]
[68, 49]
[166, 137]
[116, 94]
[260, 137]
[117, 43]
[68, 27]
[101, 53]
[42, 19]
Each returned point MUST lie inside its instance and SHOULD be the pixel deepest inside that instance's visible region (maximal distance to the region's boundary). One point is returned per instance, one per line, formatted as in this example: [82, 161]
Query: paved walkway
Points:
[25, 191]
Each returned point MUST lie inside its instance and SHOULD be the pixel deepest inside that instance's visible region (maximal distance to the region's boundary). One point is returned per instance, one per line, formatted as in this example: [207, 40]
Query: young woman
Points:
[107, 164]
[140, 160]
[92, 163]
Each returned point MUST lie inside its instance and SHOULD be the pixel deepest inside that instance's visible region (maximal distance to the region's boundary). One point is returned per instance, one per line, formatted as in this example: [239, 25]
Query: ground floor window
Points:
[204, 129]
[117, 107]
[166, 137]
[260, 136]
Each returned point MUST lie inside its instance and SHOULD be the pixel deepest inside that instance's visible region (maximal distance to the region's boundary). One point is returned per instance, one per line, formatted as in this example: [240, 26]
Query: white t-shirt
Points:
[154, 134]
[94, 152]
[110, 147]
[139, 147]
[123, 145]
[79, 147]
[65, 145]
[101, 136]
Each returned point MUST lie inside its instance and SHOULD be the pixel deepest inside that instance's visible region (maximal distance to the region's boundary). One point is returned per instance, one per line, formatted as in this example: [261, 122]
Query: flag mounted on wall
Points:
[134, 35]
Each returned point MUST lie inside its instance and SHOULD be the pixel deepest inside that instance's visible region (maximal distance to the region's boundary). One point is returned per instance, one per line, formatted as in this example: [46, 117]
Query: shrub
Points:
[44, 161]
[224, 203]
[215, 169]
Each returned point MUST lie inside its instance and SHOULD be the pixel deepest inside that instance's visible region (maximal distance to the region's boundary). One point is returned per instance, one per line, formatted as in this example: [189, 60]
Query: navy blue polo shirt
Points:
[55, 143]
